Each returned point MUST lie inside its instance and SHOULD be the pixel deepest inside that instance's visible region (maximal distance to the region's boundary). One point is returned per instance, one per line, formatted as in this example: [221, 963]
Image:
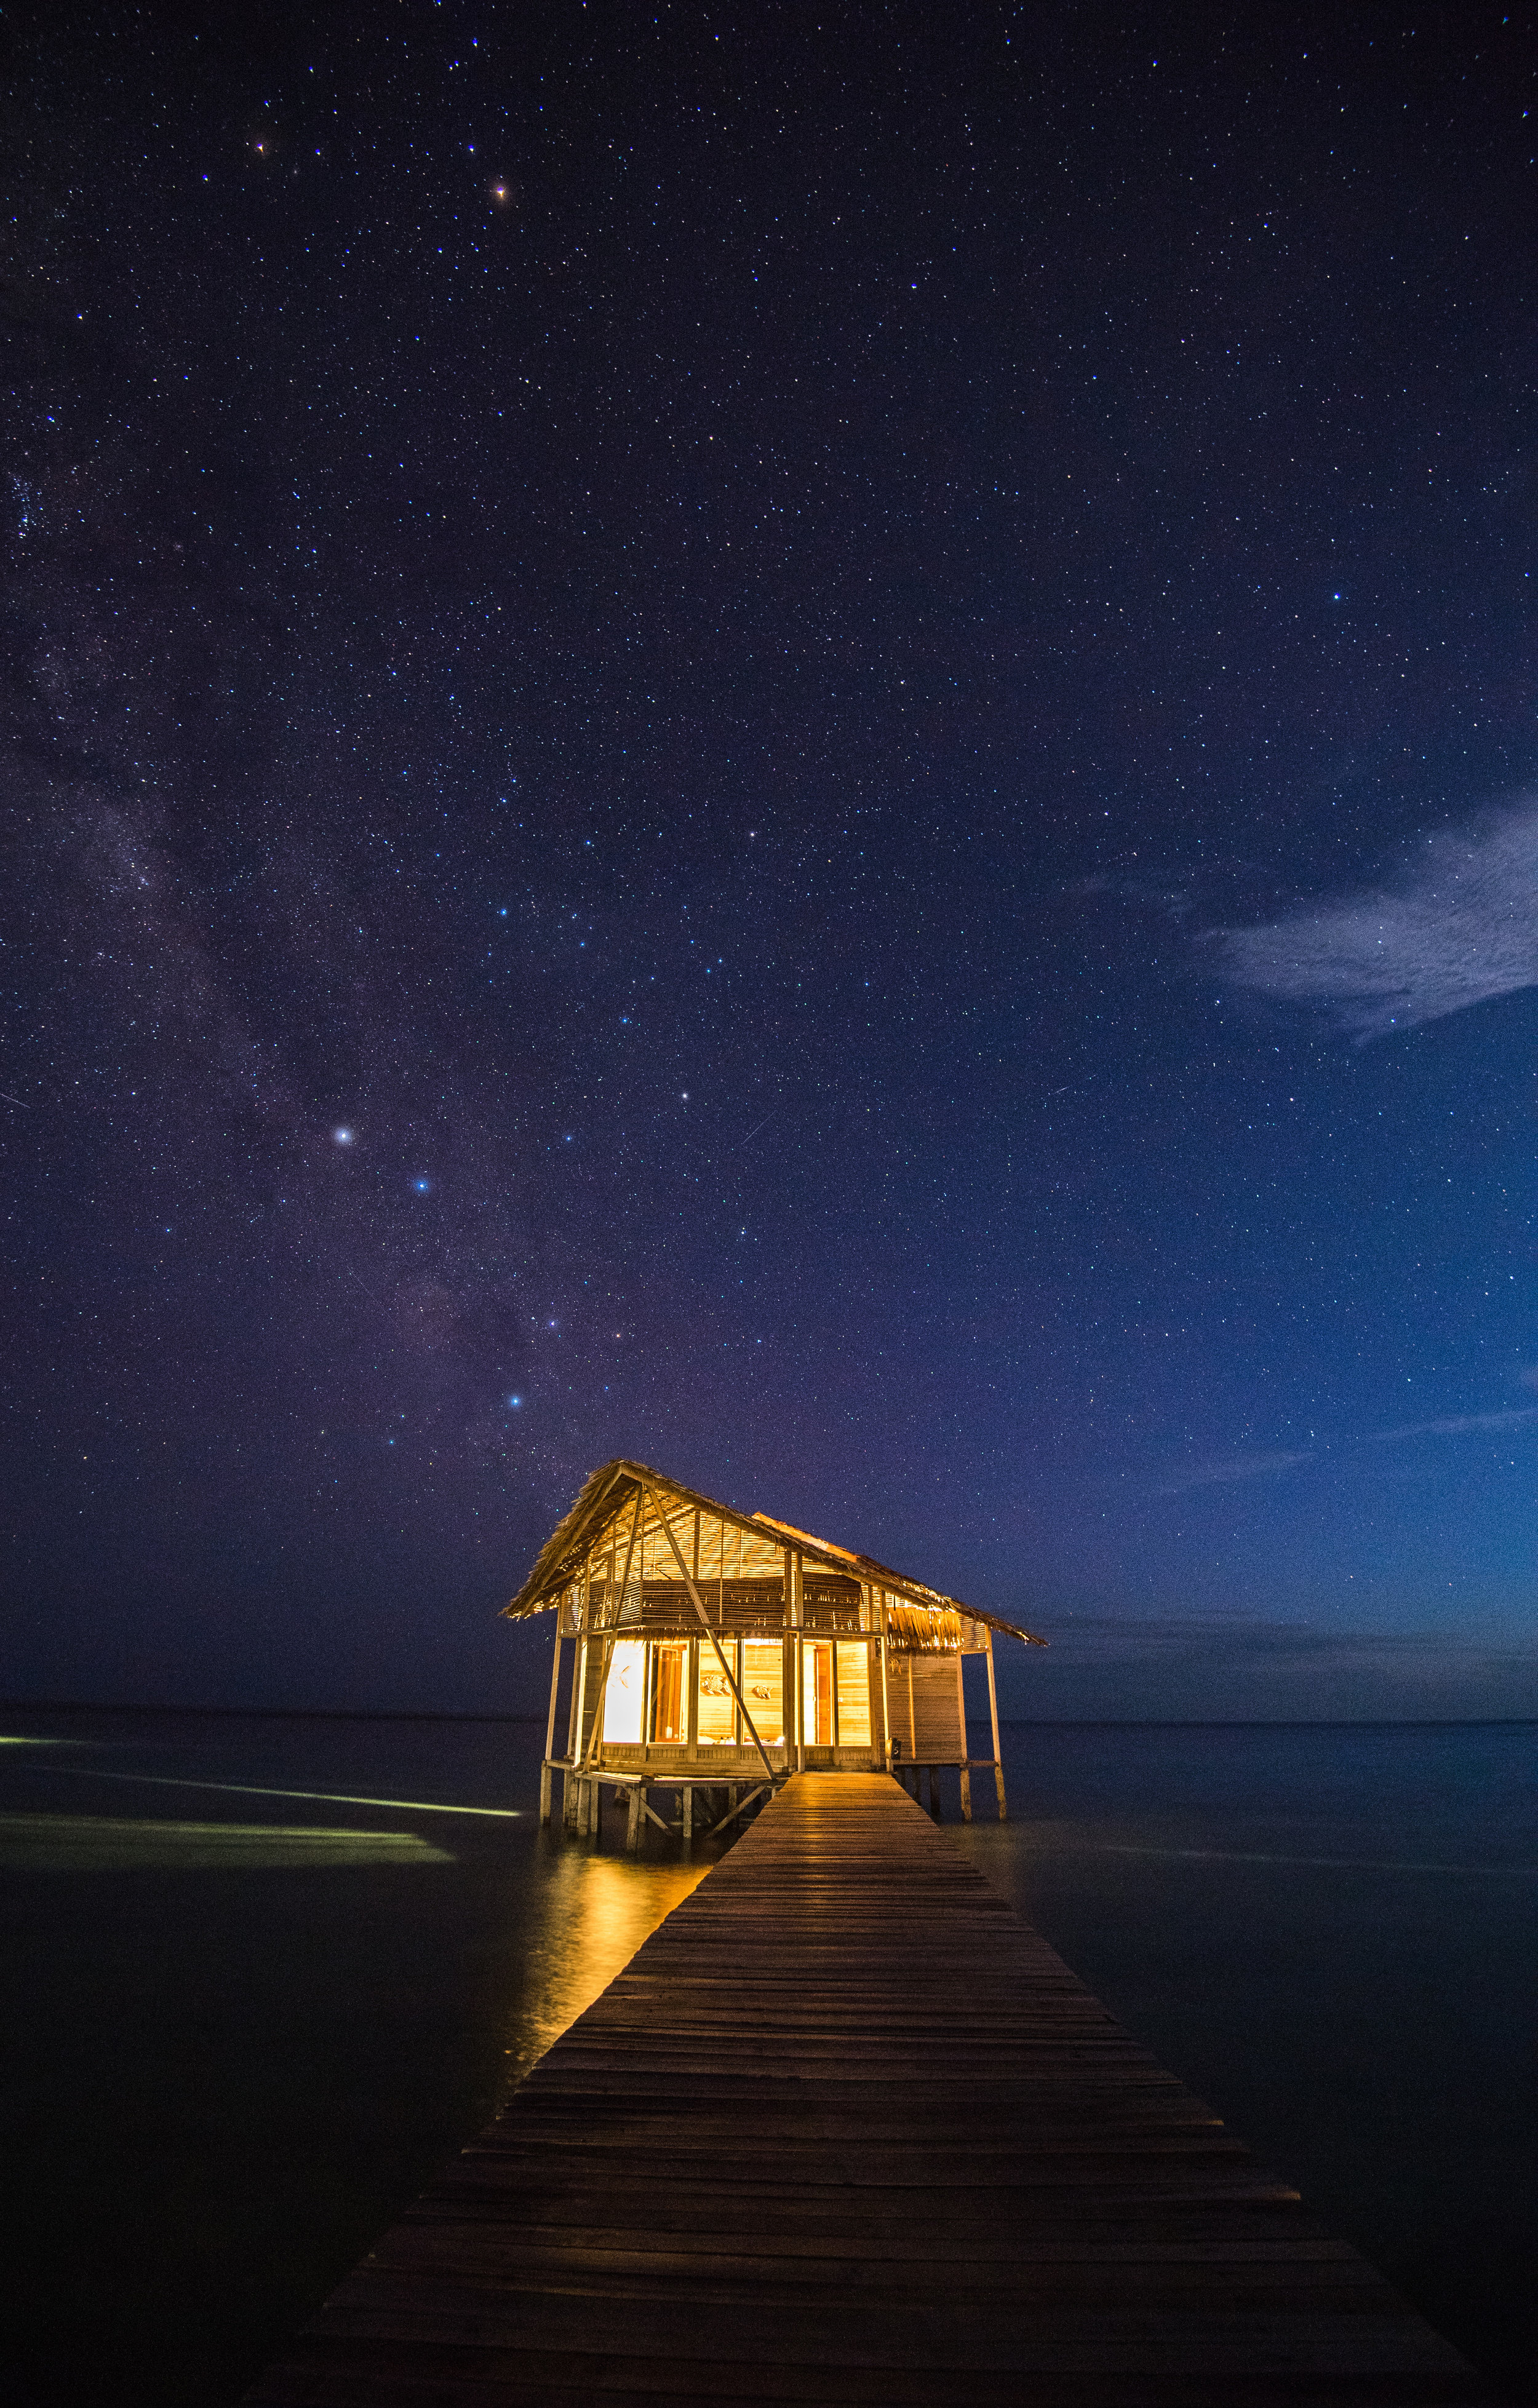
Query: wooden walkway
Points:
[846, 2130]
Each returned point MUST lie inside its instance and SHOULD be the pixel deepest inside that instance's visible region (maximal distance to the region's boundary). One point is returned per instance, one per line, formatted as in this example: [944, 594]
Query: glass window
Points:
[626, 1695]
[764, 1688]
[717, 1706]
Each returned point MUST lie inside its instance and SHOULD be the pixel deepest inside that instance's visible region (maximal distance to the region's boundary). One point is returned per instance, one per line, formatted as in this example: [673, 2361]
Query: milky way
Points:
[640, 658]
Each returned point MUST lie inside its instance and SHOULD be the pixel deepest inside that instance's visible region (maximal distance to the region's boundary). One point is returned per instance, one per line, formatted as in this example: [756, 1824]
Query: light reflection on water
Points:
[294, 2042]
[61, 1844]
[587, 1918]
[292, 2038]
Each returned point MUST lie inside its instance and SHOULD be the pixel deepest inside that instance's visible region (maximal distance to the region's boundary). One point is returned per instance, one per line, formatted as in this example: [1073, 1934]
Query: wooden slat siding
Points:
[846, 2130]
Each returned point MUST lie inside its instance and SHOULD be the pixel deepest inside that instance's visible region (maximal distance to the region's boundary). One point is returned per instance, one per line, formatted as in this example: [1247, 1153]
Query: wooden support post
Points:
[579, 1702]
[997, 1754]
[691, 1675]
[595, 1745]
[549, 1730]
[886, 1690]
[764, 1789]
[635, 1802]
[687, 1813]
[572, 1734]
[793, 1596]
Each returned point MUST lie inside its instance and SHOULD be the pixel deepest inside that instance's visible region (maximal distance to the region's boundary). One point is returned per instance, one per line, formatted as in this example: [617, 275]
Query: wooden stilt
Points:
[687, 1815]
[635, 1801]
[966, 1793]
[998, 1752]
[549, 1730]
[792, 1589]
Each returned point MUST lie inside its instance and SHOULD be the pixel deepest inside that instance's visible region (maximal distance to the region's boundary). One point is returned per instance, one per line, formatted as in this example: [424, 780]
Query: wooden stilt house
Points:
[715, 1651]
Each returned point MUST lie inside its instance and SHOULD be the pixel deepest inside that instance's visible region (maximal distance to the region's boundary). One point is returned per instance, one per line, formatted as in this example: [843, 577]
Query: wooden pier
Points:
[847, 2129]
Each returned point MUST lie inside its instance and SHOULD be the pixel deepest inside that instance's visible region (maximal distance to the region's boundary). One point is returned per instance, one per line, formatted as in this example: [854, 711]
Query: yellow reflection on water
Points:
[103, 1843]
[9, 1739]
[588, 1916]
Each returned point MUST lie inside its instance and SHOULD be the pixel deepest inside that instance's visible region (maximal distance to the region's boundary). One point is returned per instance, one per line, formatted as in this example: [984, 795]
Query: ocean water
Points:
[257, 1986]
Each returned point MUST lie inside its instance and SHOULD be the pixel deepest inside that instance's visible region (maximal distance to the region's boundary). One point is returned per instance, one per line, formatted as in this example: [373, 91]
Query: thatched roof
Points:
[615, 1483]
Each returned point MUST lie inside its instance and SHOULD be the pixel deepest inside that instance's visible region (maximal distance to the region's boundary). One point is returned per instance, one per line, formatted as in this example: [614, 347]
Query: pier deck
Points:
[847, 2129]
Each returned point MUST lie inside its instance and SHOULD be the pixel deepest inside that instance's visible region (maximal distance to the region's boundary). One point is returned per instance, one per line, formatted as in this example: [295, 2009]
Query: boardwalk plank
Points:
[845, 2129]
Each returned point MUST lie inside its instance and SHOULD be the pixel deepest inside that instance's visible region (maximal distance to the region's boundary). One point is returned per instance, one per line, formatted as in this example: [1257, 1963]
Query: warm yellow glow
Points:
[823, 1547]
[669, 1663]
[764, 1688]
[817, 1692]
[854, 1694]
[588, 1917]
[717, 1708]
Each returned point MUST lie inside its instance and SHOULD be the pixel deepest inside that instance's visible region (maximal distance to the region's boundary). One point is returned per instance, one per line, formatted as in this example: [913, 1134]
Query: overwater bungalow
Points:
[716, 1652]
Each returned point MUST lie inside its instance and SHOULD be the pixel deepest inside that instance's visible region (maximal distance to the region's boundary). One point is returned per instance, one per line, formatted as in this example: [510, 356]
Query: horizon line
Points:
[1006, 1722]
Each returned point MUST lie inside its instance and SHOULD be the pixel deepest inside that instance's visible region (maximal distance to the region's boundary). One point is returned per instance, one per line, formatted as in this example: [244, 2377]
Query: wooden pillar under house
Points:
[546, 1776]
[966, 1752]
[572, 1735]
[576, 1787]
[997, 1754]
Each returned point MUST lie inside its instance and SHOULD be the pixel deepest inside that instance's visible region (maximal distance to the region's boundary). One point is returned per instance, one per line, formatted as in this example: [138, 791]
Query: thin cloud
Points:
[1458, 925]
[1239, 1467]
[1456, 1425]
[1256, 1466]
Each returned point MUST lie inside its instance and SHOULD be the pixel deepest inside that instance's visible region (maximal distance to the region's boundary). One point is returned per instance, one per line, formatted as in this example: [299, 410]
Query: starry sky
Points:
[798, 741]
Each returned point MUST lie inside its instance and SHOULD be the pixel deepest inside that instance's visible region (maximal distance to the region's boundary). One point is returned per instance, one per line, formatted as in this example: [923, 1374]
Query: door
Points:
[817, 1692]
[669, 1661]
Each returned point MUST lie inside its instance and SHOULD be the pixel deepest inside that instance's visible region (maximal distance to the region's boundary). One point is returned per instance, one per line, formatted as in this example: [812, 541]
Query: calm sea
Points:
[241, 2028]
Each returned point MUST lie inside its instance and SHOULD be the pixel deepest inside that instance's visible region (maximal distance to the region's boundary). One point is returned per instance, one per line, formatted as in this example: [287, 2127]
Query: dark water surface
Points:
[241, 2031]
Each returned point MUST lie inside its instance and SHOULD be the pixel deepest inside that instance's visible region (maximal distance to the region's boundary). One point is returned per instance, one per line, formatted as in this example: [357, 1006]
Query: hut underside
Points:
[717, 1652]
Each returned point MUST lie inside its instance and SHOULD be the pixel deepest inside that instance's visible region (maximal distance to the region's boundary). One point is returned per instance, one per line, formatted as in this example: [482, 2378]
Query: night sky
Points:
[798, 741]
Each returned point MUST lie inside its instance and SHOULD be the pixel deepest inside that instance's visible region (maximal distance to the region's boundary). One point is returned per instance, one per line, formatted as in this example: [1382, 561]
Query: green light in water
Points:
[315, 1797]
[107, 1844]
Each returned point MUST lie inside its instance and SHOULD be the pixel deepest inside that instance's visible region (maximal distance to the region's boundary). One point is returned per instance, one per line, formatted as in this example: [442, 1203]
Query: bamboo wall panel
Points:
[845, 2130]
[937, 1734]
